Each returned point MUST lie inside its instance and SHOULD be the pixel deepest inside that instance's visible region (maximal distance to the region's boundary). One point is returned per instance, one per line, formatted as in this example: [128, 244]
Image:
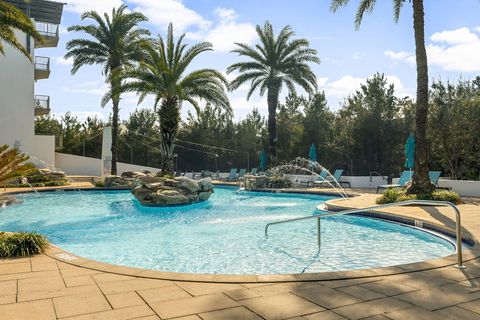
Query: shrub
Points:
[100, 184]
[22, 244]
[398, 195]
[277, 182]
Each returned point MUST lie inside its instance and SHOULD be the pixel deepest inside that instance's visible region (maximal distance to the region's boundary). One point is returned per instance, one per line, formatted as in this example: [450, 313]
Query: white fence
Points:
[85, 166]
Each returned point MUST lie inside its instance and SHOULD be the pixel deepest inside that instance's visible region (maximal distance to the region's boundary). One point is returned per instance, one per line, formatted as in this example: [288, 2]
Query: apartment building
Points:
[19, 101]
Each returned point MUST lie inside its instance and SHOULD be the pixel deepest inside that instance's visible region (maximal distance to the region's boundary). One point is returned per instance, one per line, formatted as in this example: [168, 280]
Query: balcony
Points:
[42, 105]
[42, 67]
[49, 33]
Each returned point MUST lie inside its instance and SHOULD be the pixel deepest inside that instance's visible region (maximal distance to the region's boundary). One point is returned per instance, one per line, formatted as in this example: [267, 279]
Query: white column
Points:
[106, 151]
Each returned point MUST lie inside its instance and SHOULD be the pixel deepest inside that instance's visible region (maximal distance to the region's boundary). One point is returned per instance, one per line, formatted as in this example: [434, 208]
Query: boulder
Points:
[117, 181]
[132, 174]
[158, 191]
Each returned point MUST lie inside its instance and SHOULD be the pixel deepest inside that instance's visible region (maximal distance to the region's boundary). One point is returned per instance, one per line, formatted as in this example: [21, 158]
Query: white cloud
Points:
[322, 82]
[348, 85]
[97, 88]
[400, 56]
[80, 6]
[162, 12]
[241, 107]
[63, 61]
[226, 31]
[452, 50]
[477, 29]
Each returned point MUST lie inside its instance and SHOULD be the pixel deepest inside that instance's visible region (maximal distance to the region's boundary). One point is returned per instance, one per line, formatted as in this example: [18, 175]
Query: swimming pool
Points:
[224, 235]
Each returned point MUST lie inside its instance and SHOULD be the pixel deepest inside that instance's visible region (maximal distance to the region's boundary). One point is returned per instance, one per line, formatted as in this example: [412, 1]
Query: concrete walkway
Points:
[50, 287]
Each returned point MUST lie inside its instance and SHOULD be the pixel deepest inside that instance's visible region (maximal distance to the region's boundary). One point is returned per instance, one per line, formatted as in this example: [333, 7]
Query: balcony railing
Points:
[42, 105]
[42, 67]
[49, 33]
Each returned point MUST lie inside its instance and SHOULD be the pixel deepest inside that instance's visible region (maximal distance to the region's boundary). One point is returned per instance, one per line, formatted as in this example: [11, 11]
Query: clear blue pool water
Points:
[223, 235]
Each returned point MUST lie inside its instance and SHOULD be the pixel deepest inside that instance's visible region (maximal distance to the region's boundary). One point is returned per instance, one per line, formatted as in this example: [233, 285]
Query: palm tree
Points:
[276, 62]
[13, 164]
[421, 182]
[162, 74]
[115, 44]
[13, 18]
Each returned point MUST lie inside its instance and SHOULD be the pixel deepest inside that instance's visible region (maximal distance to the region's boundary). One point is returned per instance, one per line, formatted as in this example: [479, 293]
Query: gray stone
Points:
[132, 174]
[205, 184]
[188, 184]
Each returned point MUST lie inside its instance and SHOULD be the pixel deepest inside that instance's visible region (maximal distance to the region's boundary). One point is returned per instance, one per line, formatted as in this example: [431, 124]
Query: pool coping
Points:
[471, 253]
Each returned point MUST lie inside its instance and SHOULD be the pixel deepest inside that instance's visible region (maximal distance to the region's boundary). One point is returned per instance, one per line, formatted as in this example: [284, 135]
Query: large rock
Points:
[157, 191]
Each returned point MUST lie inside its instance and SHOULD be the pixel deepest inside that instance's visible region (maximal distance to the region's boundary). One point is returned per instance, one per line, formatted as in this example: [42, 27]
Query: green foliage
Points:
[267, 182]
[12, 18]
[398, 195]
[99, 184]
[21, 244]
[13, 164]
[279, 183]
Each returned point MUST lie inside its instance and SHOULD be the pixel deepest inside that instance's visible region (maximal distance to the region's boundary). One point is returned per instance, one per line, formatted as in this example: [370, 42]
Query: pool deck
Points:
[53, 286]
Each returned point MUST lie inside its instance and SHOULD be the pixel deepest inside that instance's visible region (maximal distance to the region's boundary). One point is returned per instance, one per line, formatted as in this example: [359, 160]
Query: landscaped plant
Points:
[114, 44]
[21, 244]
[163, 74]
[278, 61]
[267, 182]
[399, 195]
[13, 164]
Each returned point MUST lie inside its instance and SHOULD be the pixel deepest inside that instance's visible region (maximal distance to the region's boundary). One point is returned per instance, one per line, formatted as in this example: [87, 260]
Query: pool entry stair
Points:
[318, 217]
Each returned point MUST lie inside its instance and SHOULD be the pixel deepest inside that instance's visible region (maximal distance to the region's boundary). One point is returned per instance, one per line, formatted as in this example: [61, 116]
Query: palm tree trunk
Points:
[421, 181]
[114, 148]
[169, 114]
[272, 101]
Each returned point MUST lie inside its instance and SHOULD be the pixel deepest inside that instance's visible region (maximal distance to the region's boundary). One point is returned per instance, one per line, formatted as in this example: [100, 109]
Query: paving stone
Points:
[471, 306]
[80, 304]
[280, 288]
[77, 271]
[163, 294]
[242, 294]
[281, 306]
[110, 277]
[40, 284]
[193, 317]
[33, 310]
[9, 268]
[78, 281]
[456, 313]
[327, 297]
[131, 285]
[414, 313]
[324, 315]
[361, 293]
[14, 260]
[8, 287]
[192, 305]
[388, 288]
[116, 314]
[240, 313]
[36, 295]
[8, 299]
[197, 288]
[371, 308]
[125, 299]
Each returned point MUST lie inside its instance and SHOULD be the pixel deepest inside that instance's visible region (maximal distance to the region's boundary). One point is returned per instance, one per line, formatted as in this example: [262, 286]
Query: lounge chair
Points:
[404, 179]
[232, 176]
[205, 174]
[254, 171]
[320, 177]
[435, 177]
[241, 174]
[337, 175]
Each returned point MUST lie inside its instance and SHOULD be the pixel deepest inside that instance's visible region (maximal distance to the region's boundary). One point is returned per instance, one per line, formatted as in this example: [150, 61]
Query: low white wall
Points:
[465, 188]
[355, 182]
[84, 166]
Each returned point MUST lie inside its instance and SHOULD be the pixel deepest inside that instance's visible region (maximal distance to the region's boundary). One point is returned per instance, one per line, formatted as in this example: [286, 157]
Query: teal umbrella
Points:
[410, 152]
[312, 155]
[262, 160]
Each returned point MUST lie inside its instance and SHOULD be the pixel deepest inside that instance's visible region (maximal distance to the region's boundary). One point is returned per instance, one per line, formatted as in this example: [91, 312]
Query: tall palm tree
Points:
[13, 18]
[275, 62]
[115, 43]
[162, 73]
[421, 181]
[13, 164]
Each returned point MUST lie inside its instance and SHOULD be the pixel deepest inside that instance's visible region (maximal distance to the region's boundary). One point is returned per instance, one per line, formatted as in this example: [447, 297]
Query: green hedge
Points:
[398, 195]
[21, 244]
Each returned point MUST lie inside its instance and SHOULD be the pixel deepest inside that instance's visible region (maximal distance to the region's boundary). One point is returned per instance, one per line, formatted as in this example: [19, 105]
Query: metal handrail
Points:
[458, 224]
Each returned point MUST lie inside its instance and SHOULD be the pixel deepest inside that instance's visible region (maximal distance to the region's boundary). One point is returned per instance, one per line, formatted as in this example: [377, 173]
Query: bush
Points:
[267, 182]
[398, 195]
[22, 244]
[100, 184]
[277, 182]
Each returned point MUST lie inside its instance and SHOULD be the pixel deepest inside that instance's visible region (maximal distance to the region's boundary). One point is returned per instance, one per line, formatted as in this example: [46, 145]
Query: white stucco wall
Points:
[17, 124]
[77, 165]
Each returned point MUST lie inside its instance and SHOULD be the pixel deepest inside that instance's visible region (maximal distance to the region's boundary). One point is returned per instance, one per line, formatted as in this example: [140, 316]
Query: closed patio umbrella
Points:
[312, 155]
[262, 156]
[410, 153]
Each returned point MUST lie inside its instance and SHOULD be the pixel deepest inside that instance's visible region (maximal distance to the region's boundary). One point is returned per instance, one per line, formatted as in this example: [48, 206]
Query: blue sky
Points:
[348, 56]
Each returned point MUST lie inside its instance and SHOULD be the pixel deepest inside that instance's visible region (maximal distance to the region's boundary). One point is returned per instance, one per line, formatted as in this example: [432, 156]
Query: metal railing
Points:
[458, 228]
[42, 102]
[42, 63]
